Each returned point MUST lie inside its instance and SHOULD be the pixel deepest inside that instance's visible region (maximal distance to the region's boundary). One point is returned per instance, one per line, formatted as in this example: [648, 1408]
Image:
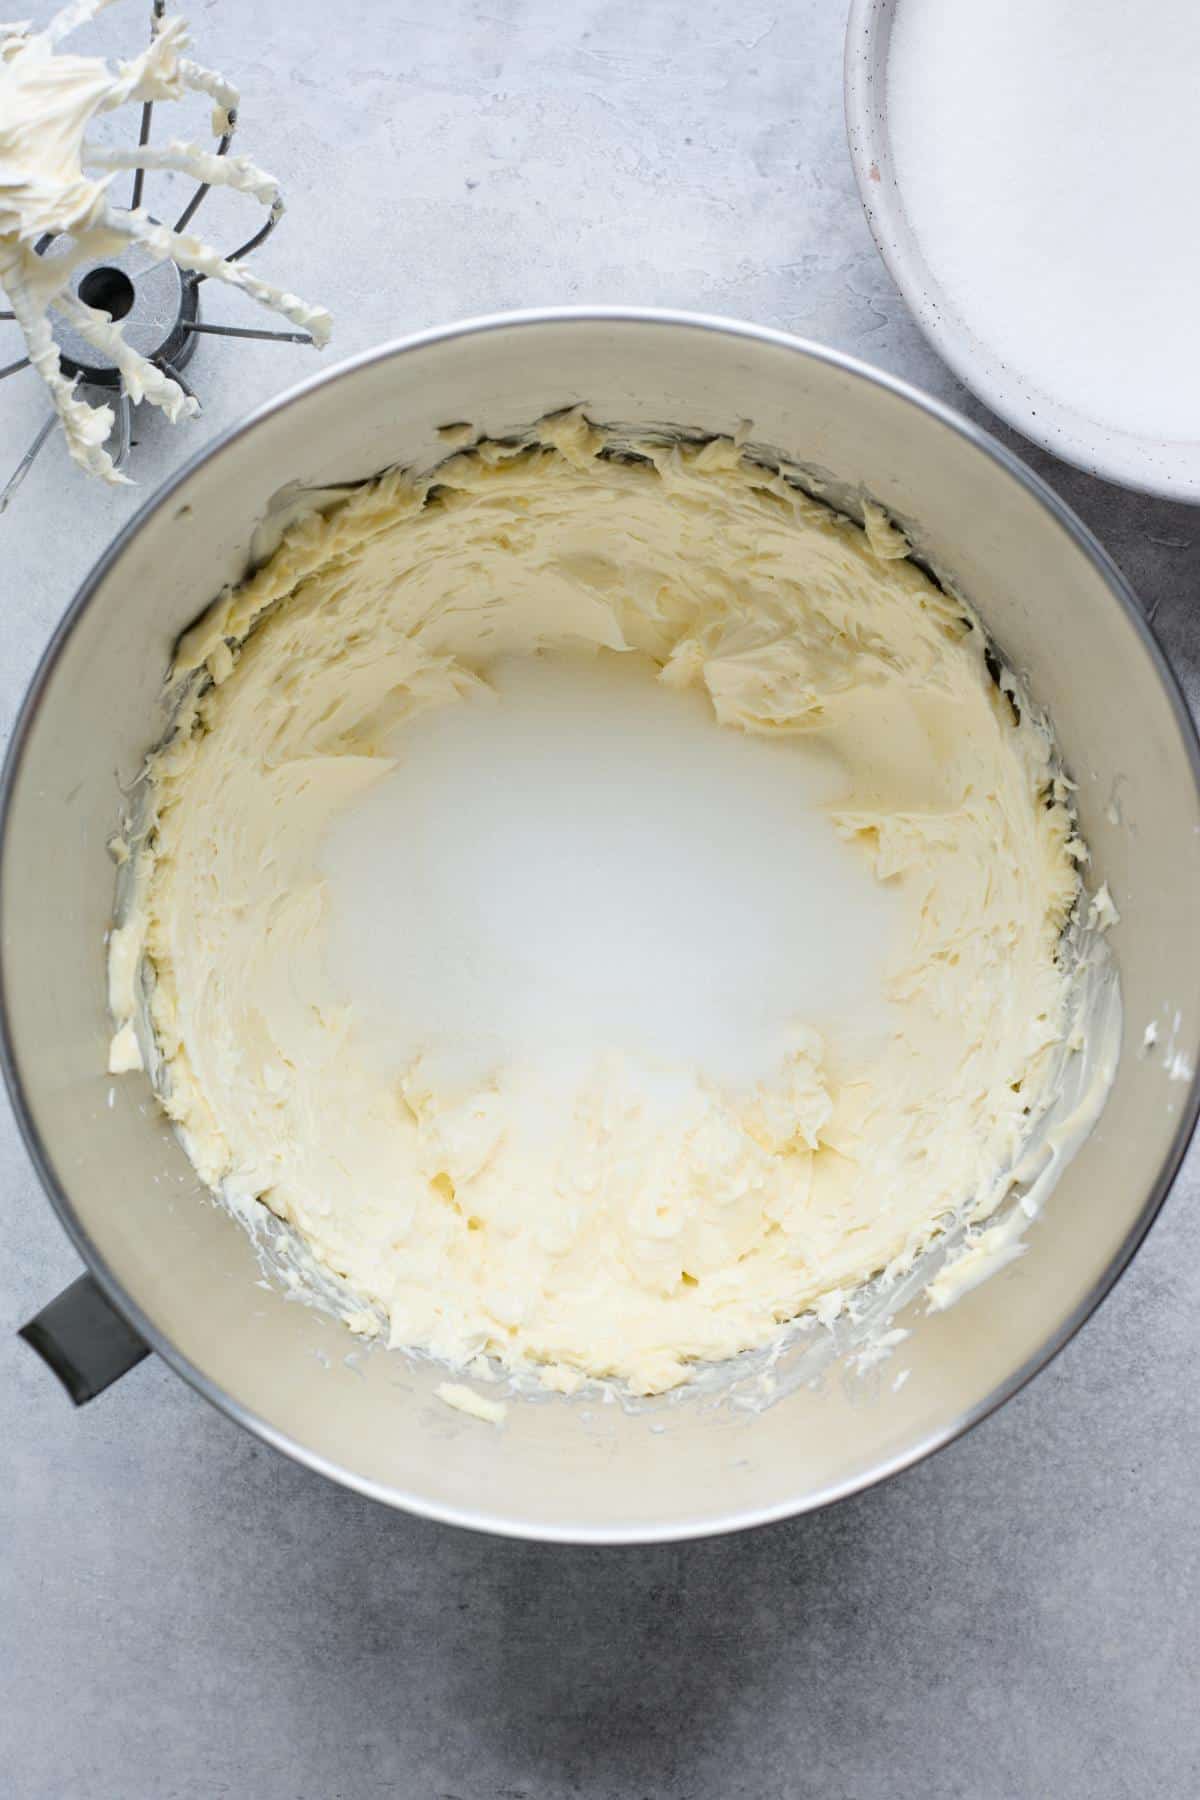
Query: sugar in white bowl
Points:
[1045, 159]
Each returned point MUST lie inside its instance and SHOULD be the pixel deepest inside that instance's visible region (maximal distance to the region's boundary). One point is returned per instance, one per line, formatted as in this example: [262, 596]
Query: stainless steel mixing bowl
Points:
[182, 1273]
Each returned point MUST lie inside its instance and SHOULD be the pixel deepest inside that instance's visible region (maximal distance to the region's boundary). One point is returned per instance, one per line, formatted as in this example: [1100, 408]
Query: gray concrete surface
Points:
[184, 1615]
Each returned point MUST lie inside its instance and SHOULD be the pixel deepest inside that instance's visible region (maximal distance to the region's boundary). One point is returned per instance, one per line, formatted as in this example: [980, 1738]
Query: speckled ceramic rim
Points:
[1168, 470]
[479, 1519]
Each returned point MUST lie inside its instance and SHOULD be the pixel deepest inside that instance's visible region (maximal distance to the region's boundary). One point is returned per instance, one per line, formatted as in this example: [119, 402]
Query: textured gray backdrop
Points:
[185, 1616]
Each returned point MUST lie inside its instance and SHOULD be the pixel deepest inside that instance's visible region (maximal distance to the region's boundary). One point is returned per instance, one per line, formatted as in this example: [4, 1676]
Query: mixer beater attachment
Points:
[106, 296]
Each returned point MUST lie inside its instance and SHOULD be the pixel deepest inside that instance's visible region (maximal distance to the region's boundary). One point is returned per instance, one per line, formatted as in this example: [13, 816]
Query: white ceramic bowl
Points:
[1170, 469]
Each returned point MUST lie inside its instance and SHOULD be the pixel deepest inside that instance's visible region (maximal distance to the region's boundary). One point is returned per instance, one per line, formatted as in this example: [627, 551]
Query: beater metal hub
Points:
[155, 302]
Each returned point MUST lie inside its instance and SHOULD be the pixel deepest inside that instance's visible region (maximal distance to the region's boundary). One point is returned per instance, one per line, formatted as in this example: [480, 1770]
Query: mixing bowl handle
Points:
[84, 1339]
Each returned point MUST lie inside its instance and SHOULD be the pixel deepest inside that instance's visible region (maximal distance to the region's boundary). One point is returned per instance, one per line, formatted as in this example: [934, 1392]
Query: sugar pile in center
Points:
[575, 861]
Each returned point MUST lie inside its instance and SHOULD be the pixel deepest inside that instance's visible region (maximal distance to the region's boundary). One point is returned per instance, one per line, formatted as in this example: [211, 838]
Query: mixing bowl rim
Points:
[110, 1283]
[1120, 457]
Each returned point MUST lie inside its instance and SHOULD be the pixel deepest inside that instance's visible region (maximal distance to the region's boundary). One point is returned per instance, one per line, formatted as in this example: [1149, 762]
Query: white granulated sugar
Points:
[586, 862]
[1046, 155]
